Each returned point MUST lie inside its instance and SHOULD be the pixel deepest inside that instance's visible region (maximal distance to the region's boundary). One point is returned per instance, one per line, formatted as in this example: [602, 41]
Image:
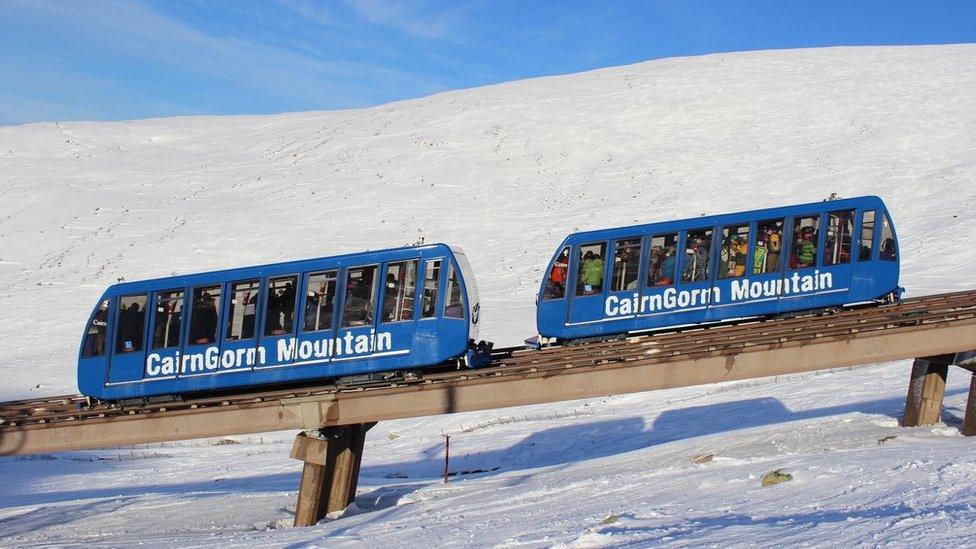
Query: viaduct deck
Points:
[919, 327]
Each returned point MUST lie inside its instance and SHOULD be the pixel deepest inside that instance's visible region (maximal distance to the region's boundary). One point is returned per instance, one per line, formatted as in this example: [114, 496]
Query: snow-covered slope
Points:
[505, 172]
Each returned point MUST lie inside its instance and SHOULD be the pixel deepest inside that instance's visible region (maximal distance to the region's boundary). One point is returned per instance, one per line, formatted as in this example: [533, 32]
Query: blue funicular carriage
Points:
[709, 269]
[399, 309]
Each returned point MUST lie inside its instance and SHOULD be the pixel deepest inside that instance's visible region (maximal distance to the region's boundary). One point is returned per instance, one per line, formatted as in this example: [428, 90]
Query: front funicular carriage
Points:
[336, 317]
[711, 269]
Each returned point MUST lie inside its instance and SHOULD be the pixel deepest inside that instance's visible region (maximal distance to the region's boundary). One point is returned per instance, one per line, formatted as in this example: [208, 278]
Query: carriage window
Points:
[432, 276]
[734, 252]
[401, 287]
[556, 281]
[805, 232]
[319, 301]
[279, 317]
[886, 247]
[769, 244]
[95, 336]
[243, 309]
[697, 253]
[454, 308]
[590, 278]
[867, 236]
[626, 264]
[664, 254]
[132, 323]
[840, 234]
[203, 315]
[360, 297]
[169, 316]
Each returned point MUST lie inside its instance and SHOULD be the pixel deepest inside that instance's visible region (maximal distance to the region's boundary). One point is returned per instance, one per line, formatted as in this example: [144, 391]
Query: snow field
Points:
[505, 172]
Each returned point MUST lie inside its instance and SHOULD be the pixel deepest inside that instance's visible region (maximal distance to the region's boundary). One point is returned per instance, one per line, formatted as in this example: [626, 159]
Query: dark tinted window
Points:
[626, 264]
[698, 247]
[886, 244]
[132, 323]
[279, 317]
[432, 276]
[360, 297]
[399, 291]
[243, 309]
[867, 235]
[169, 317]
[203, 315]
[454, 306]
[319, 301]
[97, 330]
[840, 236]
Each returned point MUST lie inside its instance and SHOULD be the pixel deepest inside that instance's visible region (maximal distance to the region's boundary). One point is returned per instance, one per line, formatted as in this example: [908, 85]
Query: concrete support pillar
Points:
[969, 425]
[331, 459]
[923, 406]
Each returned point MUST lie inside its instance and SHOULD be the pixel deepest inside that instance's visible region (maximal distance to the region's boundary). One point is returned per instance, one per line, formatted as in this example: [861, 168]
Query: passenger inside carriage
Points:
[660, 270]
[556, 282]
[805, 233]
[591, 273]
[698, 247]
[203, 324]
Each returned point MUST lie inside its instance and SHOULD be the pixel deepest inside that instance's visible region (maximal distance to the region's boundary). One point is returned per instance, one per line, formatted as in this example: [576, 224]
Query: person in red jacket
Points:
[556, 287]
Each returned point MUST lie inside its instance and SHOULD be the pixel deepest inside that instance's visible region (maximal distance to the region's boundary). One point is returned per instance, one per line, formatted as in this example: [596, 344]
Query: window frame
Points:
[817, 255]
[183, 318]
[416, 288]
[453, 270]
[226, 322]
[850, 251]
[218, 308]
[750, 233]
[712, 255]
[438, 302]
[117, 317]
[614, 243]
[345, 294]
[306, 282]
[265, 304]
[578, 282]
[677, 258]
[108, 337]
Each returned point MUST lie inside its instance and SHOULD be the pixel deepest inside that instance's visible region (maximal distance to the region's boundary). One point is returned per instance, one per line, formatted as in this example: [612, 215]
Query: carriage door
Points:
[396, 327]
[697, 276]
[203, 335]
[801, 263]
[166, 329]
[765, 271]
[836, 268]
[586, 305]
[129, 351]
[318, 329]
[239, 350]
[732, 275]
[356, 336]
[623, 301]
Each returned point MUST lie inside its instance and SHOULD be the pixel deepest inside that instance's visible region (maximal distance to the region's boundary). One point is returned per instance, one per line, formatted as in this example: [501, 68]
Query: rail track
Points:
[663, 346]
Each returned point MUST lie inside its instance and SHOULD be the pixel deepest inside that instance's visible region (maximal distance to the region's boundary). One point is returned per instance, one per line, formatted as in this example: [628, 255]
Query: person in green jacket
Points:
[592, 273]
[806, 253]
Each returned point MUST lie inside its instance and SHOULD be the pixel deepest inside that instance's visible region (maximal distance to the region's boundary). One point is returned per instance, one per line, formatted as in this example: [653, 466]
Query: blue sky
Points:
[110, 60]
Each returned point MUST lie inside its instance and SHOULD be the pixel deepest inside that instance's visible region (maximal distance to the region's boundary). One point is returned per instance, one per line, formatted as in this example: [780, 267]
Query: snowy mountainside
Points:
[505, 172]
